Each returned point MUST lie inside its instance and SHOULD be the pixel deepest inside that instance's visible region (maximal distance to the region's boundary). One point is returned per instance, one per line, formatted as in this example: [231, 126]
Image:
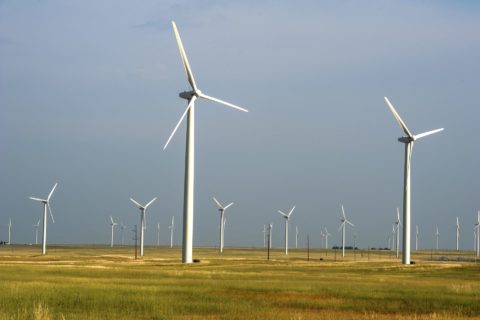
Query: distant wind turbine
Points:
[458, 232]
[437, 234]
[477, 233]
[171, 227]
[416, 237]
[35, 227]
[190, 96]
[158, 234]
[408, 141]
[9, 231]
[270, 227]
[221, 209]
[397, 230]
[287, 218]
[142, 221]
[46, 204]
[344, 221]
[112, 224]
[296, 237]
[327, 234]
[264, 235]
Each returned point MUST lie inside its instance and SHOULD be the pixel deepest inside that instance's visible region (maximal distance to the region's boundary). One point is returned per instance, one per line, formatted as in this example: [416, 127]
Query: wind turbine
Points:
[393, 236]
[158, 234]
[344, 220]
[270, 235]
[222, 221]
[416, 237]
[437, 234]
[322, 235]
[458, 232]
[35, 227]
[408, 141]
[397, 230]
[112, 224]
[287, 217]
[476, 229]
[46, 203]
[190, 96]
[264, 235]
[9, 231]
[327, 234]
[142, 220]
[171, 231]
[122, 228]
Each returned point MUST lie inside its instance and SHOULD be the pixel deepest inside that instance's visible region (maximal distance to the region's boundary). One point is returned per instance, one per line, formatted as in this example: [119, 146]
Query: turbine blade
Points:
[190, 104]
[186, 65]
[350, 223]
[291, 211]
[150, 202]
[51, 192]
[50, 210]
[38, 199]
[137, 204]
[111, 219]
[227, 206]
[402, 124]
[421, 135]
[283, 213]
[218, 203]
[341, 225]
[204, 96]
[343, 212]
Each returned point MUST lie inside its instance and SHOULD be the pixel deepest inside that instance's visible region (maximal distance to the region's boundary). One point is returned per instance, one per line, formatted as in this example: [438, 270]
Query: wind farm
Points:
[93, 104]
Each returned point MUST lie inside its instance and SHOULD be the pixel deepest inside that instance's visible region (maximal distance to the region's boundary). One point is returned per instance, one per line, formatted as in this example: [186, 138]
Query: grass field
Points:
[97, 282]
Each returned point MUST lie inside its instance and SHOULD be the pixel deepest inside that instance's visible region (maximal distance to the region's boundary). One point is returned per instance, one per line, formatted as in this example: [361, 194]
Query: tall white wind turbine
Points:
[344, 221]
[437, 234]
[142, 221]
[327, 234]
[221, 209]
[408, 141]
[190, 96]
[112, 224]
[35, 228]
[416, 237]
[296, 237]
[458, 232]
[46, 204]
[287, 218]
[397, 230]
[171, 227]
[476, 229]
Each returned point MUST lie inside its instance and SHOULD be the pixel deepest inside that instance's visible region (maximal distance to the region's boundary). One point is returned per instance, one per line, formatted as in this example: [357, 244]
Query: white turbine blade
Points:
[50, 210]
[38, 199]
[227, 206]
[136, 203]
[398, 215]
[186, 65]
[283, 213]
[350, 223]
[146, 206]
[111, 219]
[402, 124]
[173, 221]
[51, 192]
[218, 203]
[192, 100]
[204, 96]
[421, 135]
[343, 212]
[291, 211]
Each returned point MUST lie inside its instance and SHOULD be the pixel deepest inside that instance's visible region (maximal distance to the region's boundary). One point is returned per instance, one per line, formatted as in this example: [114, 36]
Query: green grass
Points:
[97, 282]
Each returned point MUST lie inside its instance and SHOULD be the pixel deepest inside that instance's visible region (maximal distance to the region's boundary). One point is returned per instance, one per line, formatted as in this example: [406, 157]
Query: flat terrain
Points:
[97, 282]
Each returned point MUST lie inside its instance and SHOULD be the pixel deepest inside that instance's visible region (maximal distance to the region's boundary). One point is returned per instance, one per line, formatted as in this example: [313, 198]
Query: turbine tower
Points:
[270, 227]
[296, 237]
[112, 224]
[397, 230]
[344, 221]
[158, 234]
[190, 96]
[142, 220]
[9, 231]
[437, 234]
[287, 217]
[171, 231]
[46, 204]
[222, 222]
[35, 228]
[416, 237]
[264, 235]
[458, 232]
[476, 229]
[408, 141]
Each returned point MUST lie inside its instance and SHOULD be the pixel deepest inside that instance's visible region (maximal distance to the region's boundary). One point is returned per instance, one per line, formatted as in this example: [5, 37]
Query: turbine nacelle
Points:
[406, 139]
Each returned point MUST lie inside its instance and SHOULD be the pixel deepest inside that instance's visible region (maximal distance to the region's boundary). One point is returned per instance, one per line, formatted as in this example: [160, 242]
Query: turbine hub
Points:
[405, 139]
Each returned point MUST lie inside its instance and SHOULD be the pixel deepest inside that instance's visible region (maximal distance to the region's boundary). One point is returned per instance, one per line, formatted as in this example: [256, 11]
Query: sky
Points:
[89, 95]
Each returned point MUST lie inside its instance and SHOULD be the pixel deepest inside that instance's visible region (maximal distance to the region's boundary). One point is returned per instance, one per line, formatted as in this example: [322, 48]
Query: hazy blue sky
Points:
[89, 95]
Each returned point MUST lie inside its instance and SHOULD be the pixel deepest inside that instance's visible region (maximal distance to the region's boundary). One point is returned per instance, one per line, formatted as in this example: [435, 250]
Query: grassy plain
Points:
[97, 282]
